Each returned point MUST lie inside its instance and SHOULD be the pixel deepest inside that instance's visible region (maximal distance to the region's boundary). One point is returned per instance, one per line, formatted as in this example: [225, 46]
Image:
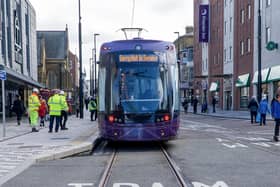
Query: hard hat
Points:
[61, 92]
[35, 90]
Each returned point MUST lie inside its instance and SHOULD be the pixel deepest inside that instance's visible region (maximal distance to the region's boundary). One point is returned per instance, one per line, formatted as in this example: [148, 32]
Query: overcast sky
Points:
[160, 17]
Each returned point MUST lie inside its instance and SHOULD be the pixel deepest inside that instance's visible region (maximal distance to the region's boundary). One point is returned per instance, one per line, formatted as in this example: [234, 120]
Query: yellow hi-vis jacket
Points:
[64, 103]
[56, 104]
[33, 103]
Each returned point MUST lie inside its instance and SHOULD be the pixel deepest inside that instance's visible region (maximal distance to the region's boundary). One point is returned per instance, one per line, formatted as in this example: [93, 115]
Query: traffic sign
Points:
[3, 75]
[271, 46]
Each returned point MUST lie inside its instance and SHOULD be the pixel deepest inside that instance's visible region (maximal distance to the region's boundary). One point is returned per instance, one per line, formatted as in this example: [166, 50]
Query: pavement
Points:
[232, 114]
[21, 148]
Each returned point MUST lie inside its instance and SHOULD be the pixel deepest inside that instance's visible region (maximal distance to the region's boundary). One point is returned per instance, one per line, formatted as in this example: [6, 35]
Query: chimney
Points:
[189, 29]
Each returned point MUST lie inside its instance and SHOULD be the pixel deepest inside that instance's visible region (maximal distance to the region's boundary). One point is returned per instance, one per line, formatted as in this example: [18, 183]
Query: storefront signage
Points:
[204, 23]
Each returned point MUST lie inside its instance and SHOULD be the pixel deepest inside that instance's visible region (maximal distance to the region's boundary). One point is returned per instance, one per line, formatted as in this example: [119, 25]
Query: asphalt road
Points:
[210, 152]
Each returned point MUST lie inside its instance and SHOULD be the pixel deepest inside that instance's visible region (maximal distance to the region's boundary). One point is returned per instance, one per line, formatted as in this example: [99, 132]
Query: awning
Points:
[214, 87]
[274, 74]
[243, 80]
[265, 74]
[11, 74]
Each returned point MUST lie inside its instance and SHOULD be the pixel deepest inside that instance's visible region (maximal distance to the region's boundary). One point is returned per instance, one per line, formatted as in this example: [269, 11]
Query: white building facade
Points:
[270, 59]
[18, 48]
[228, 58]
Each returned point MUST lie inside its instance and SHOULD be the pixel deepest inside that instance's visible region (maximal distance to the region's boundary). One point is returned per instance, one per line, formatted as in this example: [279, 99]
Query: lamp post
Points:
[81, 100]
[90, 75]
[259, 89]
[95, 86]
[178, 54]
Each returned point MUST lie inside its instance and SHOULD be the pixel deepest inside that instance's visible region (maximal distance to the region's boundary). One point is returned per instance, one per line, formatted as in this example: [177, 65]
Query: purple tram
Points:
[138, 91]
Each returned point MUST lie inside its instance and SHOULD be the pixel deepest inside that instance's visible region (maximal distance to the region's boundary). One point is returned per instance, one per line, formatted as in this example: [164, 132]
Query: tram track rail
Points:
[175, 169]
[171, 163]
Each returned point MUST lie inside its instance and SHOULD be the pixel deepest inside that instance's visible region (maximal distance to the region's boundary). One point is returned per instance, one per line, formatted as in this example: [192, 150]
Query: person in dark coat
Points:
[253, 107]
[18, 108]
[275, 112]
[185, 105]
[214, 101]
[195, 102]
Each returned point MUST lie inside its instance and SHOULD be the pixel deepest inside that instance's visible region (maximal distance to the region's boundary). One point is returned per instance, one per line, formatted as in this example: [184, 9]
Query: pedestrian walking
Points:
[253, 107]
[77, 108]
[214, 101]
[185, 105]
[55, 107]
[64, 111]
[195, 102]
[263, 109]
[42, 111]
[18, 108]
[33, 107]
[275, 112]
[204, 107]
[87, 99]
[92, 109]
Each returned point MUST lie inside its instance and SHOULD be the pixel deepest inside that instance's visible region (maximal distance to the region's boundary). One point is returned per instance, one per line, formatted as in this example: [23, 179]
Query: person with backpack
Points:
[263, 109]
[92, 108]
[253, 107]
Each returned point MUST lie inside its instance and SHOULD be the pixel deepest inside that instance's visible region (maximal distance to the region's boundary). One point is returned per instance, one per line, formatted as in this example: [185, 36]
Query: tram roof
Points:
[120, 45]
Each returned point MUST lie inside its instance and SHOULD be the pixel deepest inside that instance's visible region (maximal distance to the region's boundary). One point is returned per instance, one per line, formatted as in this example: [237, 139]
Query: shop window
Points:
[244, 97]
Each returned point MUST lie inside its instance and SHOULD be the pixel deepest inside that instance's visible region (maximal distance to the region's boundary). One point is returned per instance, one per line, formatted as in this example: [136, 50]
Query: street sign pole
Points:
[3, 108]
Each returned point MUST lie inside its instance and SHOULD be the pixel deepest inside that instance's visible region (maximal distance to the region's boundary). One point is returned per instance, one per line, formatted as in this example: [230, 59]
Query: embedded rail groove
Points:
[175, 169]
[108, 170]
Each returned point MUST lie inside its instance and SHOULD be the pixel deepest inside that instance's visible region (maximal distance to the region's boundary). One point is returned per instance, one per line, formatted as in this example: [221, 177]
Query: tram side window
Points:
[102, 81]
[175, 86]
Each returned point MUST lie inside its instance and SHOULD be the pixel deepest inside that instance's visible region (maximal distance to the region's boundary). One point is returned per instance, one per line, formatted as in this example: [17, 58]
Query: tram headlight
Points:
[162, 118]
[111, 118]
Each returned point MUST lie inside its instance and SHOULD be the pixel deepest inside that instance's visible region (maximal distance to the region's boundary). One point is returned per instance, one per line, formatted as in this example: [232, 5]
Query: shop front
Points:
[16, 84]
[265, 83]
[228, 94]
[214, 89]
[274, 78]
[243, 84]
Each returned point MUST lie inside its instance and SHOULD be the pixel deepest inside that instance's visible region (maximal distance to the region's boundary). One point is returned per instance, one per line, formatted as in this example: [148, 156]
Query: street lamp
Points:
[95, 86]
[178, 36]
[259, 89]
[178, 54]
[90, 75]
[81, 101]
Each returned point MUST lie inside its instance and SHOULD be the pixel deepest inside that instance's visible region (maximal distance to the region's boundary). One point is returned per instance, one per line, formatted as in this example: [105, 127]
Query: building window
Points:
[268, 3]
[248, 45]
[242, 14]
[225, 27]
[225, 56]
[230, 24]
[249, 11]
[267, 34]
[230, 52]
[214, 60]
[225, 3]
[241, 48]
[17, 32]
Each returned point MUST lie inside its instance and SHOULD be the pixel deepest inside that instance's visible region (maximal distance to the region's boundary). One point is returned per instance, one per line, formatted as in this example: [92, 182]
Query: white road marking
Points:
[217, 184]
[262, 144]
[235, 145]
[125, 184]
[80, 184]
[222, 140]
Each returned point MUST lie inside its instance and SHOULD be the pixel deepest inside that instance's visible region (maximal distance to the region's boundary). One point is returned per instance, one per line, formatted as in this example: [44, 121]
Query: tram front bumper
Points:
[134, 133]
